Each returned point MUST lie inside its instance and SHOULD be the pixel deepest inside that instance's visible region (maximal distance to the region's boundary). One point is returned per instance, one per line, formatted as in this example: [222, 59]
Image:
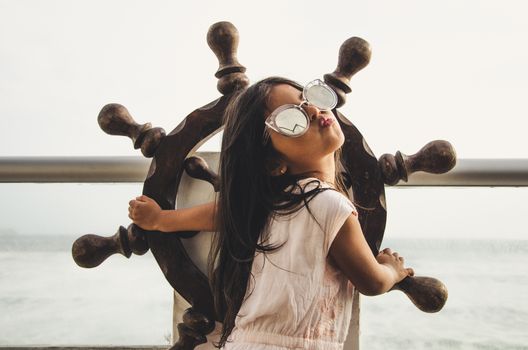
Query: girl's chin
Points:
[334, 143]
[329, 149]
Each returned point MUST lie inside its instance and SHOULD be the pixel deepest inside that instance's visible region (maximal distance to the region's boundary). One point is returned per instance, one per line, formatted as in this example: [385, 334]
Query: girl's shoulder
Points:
[328, 196]
[308, 184]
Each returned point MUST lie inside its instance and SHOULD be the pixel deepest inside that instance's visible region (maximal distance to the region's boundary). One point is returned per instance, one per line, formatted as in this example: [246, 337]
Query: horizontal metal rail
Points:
[73, 169]
[467, 172]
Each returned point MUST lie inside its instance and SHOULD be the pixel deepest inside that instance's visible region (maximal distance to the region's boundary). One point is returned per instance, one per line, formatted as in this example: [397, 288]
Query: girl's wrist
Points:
[393, 276]
[161, 222]
[166, 221]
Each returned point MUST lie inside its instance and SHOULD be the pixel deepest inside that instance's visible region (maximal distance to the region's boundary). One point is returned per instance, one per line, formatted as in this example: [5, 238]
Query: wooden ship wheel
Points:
[172, 154]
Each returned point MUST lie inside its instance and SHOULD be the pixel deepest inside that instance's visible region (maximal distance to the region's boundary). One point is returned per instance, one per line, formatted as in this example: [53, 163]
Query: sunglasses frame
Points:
[270, 120]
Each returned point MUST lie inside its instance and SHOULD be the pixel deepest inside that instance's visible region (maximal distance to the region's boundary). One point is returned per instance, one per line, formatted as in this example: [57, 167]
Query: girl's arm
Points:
[148, 215]
[370, 275]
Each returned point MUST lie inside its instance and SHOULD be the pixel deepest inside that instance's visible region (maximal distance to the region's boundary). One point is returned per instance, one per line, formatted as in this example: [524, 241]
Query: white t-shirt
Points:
[298, 298]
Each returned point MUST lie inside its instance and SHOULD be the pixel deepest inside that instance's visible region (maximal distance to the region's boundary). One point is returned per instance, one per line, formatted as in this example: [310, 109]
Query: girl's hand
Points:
[395, 262]
[145, 213]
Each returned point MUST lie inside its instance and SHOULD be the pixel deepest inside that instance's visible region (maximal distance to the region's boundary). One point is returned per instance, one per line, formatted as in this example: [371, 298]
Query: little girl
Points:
[288, 249]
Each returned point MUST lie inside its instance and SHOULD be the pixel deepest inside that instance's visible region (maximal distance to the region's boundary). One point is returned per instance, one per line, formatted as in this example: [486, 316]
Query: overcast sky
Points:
[453, 70]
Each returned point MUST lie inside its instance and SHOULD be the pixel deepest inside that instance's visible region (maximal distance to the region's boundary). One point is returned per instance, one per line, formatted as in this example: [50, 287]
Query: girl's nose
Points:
[312, 111]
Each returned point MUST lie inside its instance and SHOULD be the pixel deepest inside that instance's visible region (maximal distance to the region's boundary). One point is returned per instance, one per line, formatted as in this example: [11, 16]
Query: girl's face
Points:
[323, 138]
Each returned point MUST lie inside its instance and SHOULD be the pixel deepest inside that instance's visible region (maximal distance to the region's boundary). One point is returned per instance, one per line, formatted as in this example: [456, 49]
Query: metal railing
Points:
[467, 172]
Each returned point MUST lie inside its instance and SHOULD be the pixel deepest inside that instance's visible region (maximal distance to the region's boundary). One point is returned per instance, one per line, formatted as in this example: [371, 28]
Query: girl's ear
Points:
[276, 167]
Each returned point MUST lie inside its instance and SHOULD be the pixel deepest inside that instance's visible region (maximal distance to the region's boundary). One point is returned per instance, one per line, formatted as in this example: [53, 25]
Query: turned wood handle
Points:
[427, 293]
[193, 330]
[91, 250]
[354, 55]
[436, 157]
[197, 168]
[222, 38]
[114, 119]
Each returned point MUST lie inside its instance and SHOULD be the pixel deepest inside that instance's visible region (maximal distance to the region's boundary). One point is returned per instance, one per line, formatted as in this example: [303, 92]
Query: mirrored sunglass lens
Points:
[321, 96]
[291, 121]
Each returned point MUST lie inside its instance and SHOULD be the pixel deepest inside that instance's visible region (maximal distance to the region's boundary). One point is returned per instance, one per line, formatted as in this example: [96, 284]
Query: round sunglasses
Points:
[292, 120]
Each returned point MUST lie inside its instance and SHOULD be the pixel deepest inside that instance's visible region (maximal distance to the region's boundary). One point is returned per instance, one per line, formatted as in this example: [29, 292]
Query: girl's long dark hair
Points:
[248, 195]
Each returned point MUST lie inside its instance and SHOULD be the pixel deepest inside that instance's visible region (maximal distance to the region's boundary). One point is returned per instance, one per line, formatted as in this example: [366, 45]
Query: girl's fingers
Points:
[410, 271]
[398, 257]
[387, 251]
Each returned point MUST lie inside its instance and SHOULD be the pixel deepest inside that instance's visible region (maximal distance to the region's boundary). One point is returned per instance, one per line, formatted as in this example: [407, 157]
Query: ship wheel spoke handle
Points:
[436, 157]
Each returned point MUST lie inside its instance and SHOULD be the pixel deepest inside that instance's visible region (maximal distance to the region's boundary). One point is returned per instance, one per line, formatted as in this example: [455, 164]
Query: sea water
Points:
[487, 307]
[45, 299]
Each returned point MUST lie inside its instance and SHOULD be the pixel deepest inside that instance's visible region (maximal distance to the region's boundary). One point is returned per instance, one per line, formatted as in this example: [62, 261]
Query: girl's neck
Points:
[323, 169]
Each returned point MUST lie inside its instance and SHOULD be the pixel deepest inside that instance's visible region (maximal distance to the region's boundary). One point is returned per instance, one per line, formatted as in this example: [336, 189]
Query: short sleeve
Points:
[331, 209]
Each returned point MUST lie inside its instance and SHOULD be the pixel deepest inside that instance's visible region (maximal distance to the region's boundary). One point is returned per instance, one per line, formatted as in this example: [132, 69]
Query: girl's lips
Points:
[324, 122]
